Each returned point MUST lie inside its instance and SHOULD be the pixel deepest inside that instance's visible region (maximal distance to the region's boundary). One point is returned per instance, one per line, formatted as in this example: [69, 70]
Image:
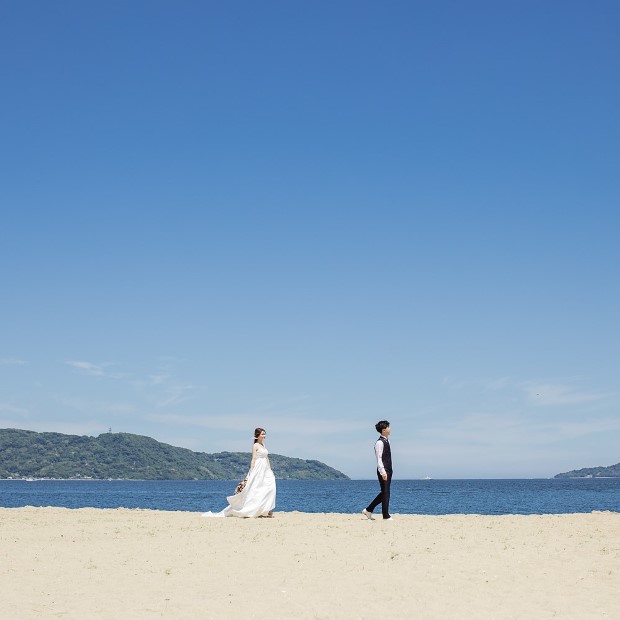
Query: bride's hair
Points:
[257, 432]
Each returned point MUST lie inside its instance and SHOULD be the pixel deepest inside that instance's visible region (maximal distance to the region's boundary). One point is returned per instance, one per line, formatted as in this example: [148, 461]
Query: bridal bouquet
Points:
[240, 486]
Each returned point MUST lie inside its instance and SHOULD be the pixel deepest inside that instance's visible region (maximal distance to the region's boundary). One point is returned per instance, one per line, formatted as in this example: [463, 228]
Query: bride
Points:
[258, 496]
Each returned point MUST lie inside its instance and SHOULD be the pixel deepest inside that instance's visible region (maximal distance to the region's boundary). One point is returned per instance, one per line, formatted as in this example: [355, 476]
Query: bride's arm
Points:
[254, 450]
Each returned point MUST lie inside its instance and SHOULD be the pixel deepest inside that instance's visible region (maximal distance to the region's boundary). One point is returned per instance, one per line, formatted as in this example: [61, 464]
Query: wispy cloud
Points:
[536, 392]
[245, 423]
[557, 394]
[477, 430]
[9, 361]
[175, 393]
[91, 407]
[94, 370]
[581, 428]
[506, 430]
[87, 368]
[283, 415]
[164, 392]
[213, 422]
[158, 378]
[161, 388]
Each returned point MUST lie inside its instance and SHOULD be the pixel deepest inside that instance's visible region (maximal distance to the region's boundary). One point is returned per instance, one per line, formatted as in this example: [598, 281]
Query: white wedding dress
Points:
[258, 498]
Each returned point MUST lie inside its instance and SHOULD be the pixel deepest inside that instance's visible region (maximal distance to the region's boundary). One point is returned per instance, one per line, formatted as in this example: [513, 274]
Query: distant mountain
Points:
[613, 471]
[26, 454]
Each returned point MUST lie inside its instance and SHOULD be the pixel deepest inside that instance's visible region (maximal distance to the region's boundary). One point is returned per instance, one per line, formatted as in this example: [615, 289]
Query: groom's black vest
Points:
[387, 455]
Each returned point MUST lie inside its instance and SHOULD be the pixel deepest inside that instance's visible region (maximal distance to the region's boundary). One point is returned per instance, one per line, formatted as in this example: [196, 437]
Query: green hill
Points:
[26, 454]
[612, 471]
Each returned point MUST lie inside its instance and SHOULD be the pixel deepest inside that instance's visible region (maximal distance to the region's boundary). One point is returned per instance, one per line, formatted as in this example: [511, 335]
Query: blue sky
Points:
[311, 216]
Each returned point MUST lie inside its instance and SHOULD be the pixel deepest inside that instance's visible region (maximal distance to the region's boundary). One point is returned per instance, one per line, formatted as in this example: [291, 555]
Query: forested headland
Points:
[28, 454]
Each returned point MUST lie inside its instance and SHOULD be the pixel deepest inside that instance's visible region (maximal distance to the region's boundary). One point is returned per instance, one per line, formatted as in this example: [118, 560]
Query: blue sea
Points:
[429, 497]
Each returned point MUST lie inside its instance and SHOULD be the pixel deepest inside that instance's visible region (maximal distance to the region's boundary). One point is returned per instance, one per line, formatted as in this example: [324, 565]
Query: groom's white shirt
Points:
[379, 455]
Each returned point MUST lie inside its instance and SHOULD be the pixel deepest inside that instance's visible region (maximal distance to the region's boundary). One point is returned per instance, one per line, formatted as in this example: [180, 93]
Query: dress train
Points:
[258, 498]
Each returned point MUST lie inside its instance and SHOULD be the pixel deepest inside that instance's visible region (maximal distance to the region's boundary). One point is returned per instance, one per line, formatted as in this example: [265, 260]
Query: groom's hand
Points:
[384, 476]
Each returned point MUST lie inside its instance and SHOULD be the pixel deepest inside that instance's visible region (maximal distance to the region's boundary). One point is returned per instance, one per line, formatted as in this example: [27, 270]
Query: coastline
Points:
[133, 563]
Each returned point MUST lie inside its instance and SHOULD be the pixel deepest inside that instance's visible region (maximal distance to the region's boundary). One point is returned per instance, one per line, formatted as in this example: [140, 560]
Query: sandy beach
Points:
[92, 563]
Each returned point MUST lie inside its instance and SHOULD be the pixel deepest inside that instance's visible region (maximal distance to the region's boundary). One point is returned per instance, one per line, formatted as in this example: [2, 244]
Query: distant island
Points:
[27, 454]
[613, 471]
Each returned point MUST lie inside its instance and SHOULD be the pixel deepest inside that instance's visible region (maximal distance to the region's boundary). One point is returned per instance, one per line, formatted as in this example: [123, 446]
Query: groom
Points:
[383, 454]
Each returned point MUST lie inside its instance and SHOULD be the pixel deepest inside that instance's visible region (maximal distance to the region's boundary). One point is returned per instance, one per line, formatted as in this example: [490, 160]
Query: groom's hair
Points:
[381, 425]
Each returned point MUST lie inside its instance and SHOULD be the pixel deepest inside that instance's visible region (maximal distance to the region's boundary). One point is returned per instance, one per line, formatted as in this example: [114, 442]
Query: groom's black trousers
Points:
[384, 495]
